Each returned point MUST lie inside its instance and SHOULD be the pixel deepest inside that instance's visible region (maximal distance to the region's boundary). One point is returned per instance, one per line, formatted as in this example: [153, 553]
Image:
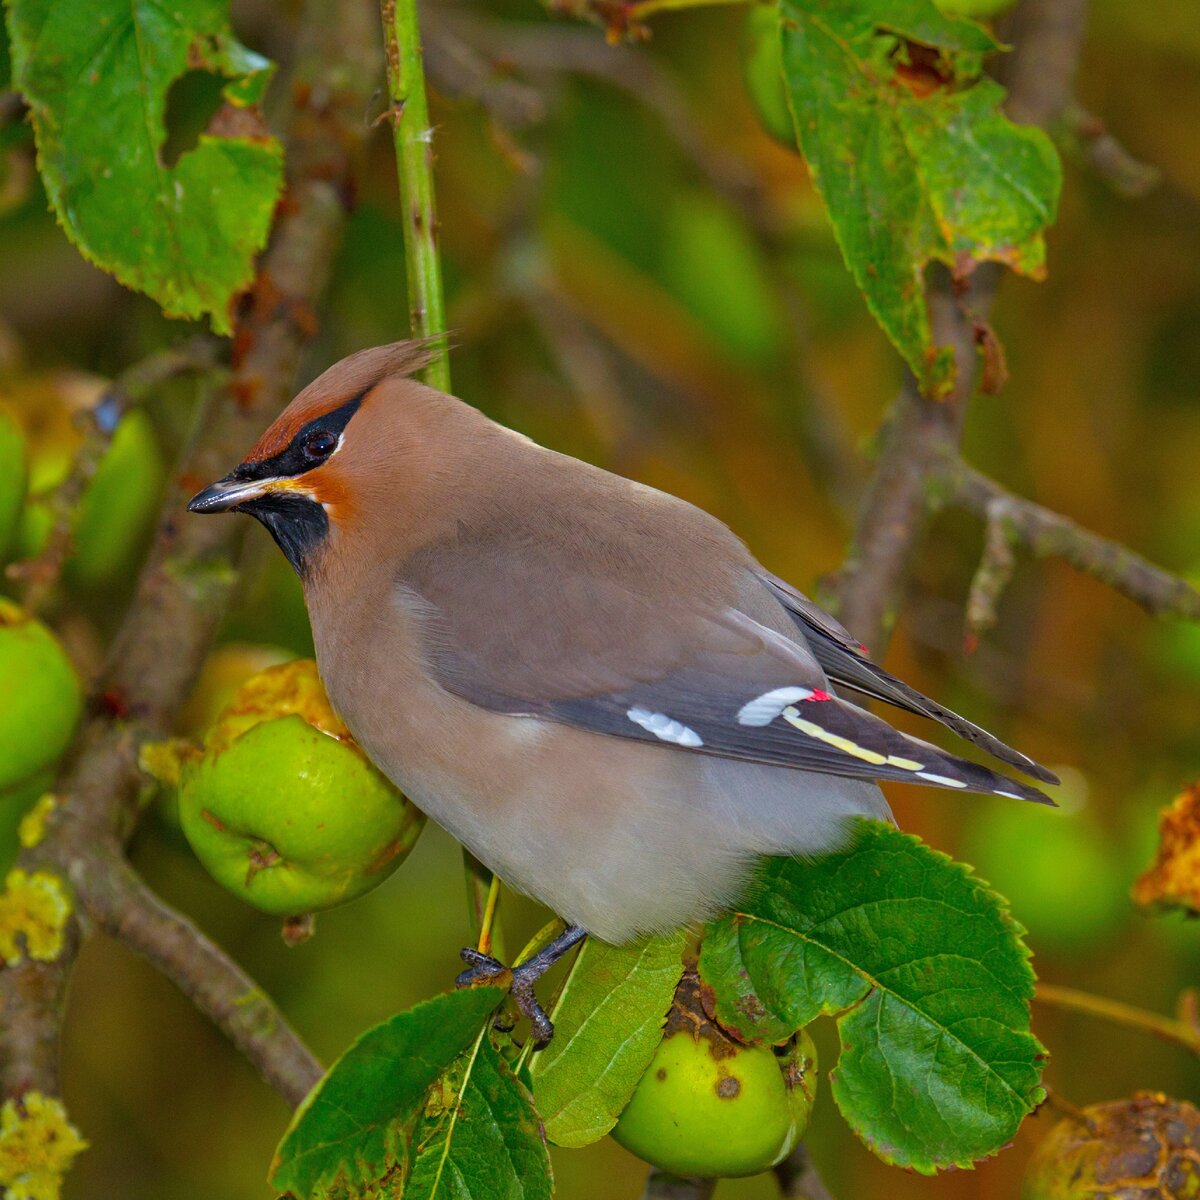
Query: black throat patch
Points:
[297, 523]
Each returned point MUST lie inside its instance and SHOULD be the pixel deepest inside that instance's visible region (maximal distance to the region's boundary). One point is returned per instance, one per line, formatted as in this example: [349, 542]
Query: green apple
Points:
[762, 71]
[118, 507]
[283, 807]
[1059, 870]
[711, 1107]
[706, 256]
[1145, 1146]
[13, 478]
[223, 673]
[40, 696]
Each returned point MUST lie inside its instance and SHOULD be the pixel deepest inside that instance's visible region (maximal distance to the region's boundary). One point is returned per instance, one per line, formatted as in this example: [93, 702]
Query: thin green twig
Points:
[408, 111]
[1073, 999]
[491, 908]
[409, 114]
[647, 8]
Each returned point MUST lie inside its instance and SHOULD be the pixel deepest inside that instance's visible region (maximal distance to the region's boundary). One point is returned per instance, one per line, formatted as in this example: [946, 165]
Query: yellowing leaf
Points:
[37, 1146]
[481, 1140]
[96, 77]
[913, 157]
[1173, 881]
[350, 1136]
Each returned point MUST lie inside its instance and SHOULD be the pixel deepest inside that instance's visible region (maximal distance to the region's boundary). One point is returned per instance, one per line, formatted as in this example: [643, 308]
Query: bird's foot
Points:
[485, 971]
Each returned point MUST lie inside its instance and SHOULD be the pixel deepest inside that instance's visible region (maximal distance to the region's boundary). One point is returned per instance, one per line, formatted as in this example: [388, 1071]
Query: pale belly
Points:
[619, 836]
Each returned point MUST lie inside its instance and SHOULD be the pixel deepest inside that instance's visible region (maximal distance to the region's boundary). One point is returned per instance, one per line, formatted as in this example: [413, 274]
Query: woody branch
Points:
[179, 602]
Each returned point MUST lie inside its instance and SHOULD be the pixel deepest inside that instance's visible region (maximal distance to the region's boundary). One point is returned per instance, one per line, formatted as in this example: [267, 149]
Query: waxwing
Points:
[591, 684]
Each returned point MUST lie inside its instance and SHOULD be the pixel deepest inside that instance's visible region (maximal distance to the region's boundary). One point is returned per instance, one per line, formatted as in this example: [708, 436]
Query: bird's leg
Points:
[484, 969]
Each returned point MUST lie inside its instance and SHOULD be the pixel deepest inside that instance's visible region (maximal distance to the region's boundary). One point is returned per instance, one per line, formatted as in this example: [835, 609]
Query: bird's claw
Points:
[485, 971]
[482, 970]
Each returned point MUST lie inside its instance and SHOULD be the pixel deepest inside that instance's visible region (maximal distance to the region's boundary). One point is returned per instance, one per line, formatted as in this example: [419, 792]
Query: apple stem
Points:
[487, 922]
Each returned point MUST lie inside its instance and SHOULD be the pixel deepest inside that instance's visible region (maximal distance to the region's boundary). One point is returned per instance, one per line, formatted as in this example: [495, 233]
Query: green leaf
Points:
[349, 1138]
[479, 1138]
[96, 78]
[929, 976]
[607, 1025]
[913, 157]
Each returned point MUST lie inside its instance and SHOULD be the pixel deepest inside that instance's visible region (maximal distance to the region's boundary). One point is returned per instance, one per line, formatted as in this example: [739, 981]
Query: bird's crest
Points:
[343, 381]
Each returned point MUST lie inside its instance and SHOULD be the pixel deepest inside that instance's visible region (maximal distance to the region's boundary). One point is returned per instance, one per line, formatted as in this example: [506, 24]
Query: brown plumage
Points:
[592, 684]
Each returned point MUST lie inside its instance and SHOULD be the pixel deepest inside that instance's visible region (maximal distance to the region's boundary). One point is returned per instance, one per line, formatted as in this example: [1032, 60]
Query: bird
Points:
[592, 684]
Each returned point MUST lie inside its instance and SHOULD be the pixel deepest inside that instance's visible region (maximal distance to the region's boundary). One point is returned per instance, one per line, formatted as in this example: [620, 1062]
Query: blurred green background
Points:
[640, 276]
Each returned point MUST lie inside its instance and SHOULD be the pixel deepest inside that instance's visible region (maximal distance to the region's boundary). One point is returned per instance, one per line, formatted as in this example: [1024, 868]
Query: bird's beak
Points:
[229, 492]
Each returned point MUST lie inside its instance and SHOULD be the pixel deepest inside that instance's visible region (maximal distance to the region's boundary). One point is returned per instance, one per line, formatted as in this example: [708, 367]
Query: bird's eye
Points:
[319, 444]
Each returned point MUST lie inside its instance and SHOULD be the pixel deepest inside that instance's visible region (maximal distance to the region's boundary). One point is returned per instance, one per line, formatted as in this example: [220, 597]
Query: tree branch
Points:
[992, 576]
[661, 1186]
[1087, 138]
[1047, 534]
[124, 907]
[181, 597]
[919, 432]
[798, 1178]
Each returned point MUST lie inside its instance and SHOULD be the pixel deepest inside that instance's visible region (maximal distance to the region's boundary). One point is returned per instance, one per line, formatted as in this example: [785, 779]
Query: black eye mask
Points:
[315, 442]
[297, 523]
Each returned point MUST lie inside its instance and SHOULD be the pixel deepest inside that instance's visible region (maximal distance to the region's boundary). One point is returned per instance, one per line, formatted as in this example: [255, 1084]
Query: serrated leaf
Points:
[929, 977]
[607, 1025]
[349, 1137]
[479, 1138]
[914, 160]
[96, 77]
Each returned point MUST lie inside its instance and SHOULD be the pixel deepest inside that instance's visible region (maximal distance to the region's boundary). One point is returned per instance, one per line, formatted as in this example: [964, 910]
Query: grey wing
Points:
[787, 724]
[602, 652]
[846, 663]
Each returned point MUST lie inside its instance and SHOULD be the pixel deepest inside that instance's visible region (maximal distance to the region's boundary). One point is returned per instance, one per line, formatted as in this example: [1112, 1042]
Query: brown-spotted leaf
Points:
[907, 144]
[96, 77]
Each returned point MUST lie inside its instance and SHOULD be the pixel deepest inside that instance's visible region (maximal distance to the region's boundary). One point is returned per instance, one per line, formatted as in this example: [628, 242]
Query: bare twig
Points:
[182, 593]
[1057, 1101]
[1085, 136]
[1040, 75]
[1047, 534]
[919, 432]
[547, 50]
[124, 907]
[992, 576]
[648, 8]
[455, 67]
[1180, 1033]
[798, 1178]
[413, 139]
[1187, 1009]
